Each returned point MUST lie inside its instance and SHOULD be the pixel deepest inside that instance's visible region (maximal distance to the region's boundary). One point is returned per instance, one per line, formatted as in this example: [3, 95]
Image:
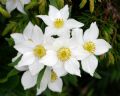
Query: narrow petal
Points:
[28, 81]
[46, 19]
[26, 1]
[72, 23]
[28, 31]
[77, 35]
[44, 81]
[10, 5]
[91, 33]
[53, 11]
[36, 67]
[27, 59]
[49, 59]
[90, 64]
[59, 69]
[56, 86]
[65, 12]
[16, 57]
[101, 46]
[37, 36]
[20, 6]
[72, 66]
[26, 46]
[18, 37]
[23, 68]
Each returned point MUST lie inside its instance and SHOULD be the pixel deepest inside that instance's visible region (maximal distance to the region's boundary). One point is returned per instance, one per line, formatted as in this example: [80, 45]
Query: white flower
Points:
[34, 49]
[66, 55]
[28, 80]
[90, 46]
[50, 80]
[58, 22]
[19, 4]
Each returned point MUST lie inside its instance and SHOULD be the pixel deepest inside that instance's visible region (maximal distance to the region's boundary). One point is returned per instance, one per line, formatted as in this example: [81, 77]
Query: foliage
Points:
[107, 17]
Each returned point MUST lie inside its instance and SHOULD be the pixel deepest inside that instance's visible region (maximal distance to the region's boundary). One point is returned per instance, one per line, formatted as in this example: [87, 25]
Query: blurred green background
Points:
[106, 13]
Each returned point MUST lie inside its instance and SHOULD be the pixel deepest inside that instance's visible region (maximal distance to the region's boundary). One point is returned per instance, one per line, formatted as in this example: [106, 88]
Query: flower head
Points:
[66, 54]
[58, 22]
[90, 46]
[34, 49]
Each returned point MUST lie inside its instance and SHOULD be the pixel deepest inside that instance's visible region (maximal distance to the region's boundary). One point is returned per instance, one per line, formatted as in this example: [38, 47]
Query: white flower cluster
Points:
[57, 56]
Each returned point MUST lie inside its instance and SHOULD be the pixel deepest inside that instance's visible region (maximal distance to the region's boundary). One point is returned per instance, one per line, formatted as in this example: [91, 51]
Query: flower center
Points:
[39, 51]
[58, 23]
[53, 76]
[64, 54]
[89, 46]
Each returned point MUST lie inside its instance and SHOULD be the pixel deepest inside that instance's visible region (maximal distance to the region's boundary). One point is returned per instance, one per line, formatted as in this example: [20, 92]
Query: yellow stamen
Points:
[58, 23]
[64, 54]
[89, 46]
[53, 76]
[39, 51]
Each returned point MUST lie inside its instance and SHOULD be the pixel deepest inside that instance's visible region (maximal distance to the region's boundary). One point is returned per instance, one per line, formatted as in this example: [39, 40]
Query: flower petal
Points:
[46, 19]
[65, 12]
[49, 59]
[91, 33]
[44, 81]
[24, 47]
[101, 46]
[56, 86]
[36, 67]
[27, 59]
[10, 5]
[28, 31]
[26, 1]
[23, 68]
[53, 12]
[72, 23]
[20, 7]
[28, 81]
[37, 35]
[79, 53]
[59, 69]
[72, 66]
[90, 64]
[18, 37]
[77, 35]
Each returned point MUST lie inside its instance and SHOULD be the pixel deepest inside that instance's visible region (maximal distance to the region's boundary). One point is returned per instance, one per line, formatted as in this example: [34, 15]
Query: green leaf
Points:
[96, 75]
[83, 3]
[57, 3]
[31, 5]
[4, 12]
[8, 28]
[13, 72]
[40, 75]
